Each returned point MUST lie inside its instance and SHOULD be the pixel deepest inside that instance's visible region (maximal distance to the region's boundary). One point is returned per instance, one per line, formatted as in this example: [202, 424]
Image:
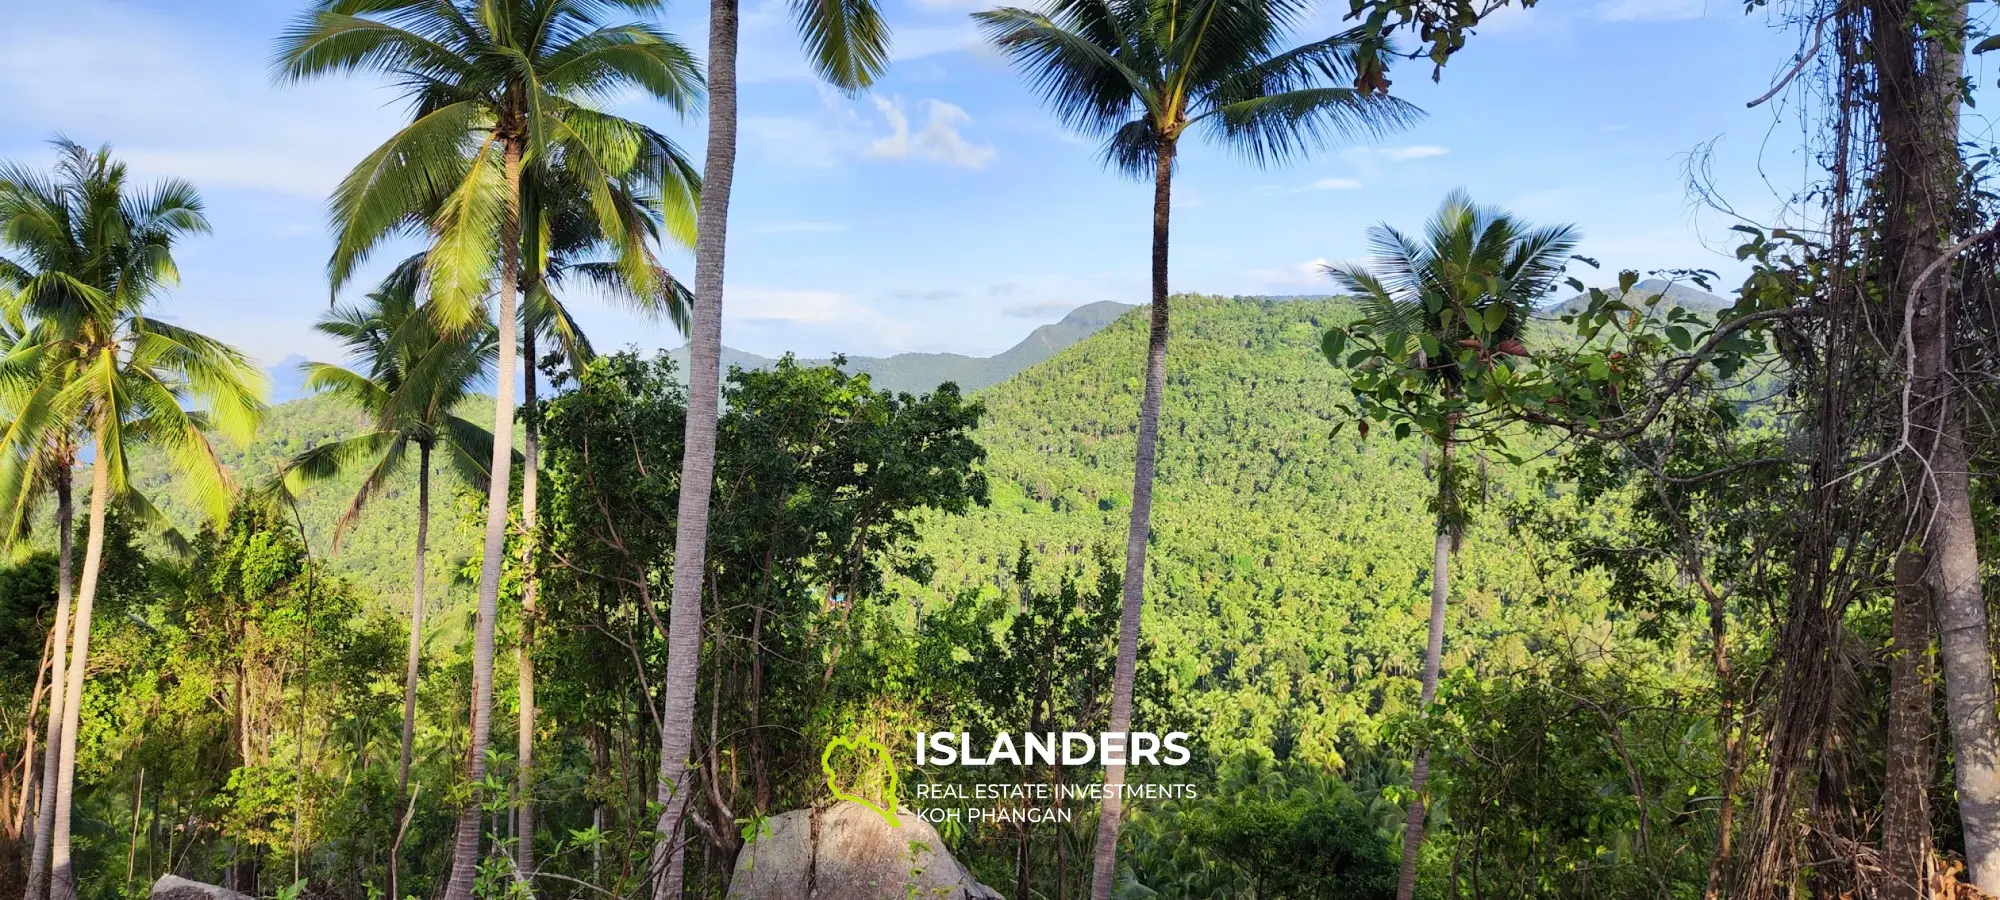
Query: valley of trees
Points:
[1493, 576]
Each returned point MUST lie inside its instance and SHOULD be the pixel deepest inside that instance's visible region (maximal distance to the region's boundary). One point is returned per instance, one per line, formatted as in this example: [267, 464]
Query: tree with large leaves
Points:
[498, 88]
[410, 381]
[1140, 76]
[847, 43]
[1435, 310]
[91, 255]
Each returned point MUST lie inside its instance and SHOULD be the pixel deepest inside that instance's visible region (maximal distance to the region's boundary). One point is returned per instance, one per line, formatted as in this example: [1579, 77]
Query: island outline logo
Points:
[858, 743]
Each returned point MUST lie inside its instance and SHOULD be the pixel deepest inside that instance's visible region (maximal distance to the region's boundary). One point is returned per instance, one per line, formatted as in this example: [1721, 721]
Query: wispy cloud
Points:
[1330, 184]
[1039, 309]
[227, 125]
[840, 132]
[1651, 10]
[939, 141]
[804, 228]
[1299, 275]
[807, 307]
[1405, 154]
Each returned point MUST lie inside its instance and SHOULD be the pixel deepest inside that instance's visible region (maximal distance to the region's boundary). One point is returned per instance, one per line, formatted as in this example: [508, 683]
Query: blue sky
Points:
[945, 210]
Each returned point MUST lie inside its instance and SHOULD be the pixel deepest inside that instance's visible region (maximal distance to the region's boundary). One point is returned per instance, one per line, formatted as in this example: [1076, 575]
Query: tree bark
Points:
[38, 858]
[698, 459]
[62, 873]
[465, 852]
[1906, 814]
[1104, 864]
[524, 849]
[413, 665]
[1420, 770]
[1920, 100]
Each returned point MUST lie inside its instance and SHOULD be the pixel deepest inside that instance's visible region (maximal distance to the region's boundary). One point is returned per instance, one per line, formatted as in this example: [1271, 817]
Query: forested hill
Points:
[919, 373]
[1290, 568]
[1289, 572]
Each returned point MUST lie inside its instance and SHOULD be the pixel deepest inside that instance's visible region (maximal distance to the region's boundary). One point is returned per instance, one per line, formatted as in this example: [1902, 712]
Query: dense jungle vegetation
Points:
[1494, 577]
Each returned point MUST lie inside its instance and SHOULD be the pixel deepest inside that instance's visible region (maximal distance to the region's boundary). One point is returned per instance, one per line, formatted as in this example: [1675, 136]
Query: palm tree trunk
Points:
[465, 854]
[45, 821]
[698, 459]
[524, 850]
[1104, 859]
[1906, 815]
[62, 874]
[1420, 770]
[19, 825]
[414, 664]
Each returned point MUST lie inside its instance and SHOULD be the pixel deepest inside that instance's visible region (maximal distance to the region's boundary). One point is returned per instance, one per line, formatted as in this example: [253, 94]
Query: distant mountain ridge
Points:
[919, 373]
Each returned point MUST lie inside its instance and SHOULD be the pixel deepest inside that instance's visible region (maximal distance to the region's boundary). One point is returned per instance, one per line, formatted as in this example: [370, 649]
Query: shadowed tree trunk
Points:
[62, 873]
[1920, 66]
[465, 852]
[1906, 814]
[45, 822]
[413, 666]
[1420, 769]
[1104, 865]
[698, 459]
[524, 850]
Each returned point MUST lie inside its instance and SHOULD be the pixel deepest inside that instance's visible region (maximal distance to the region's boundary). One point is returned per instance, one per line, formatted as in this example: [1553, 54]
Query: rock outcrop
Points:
[174, 887]
[847, 851]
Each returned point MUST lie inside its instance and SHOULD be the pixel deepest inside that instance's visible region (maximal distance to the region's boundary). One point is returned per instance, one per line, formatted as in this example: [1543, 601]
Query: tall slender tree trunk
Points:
[465, 853]
[698, 459]
[1420, 770]
[524, 848]
[1906, 813]
[1104, 858]
[20, 825]
[1920, 66]
[413, 665]
[62, 873]
[45, 820]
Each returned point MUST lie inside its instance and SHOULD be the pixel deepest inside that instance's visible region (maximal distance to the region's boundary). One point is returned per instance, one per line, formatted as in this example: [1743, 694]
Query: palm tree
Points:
[565, 247]
[92, 256]
[411, 379]
[1421, 300]
[498, 87]
[847, 42]
[1139, 75]
[34, 467]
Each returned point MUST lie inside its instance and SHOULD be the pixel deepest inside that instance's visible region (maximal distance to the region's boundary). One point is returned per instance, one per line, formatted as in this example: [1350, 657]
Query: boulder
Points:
[174, 887]
[847, 851]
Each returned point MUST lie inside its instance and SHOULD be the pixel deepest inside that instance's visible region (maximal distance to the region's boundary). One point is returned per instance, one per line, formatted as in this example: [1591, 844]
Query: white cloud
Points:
[1651, 10]
[939, 141]
[1405, 154]
[840, 133]
[1039, 309]
[809, 307]
[804, 228]
[175, 106]
[1331, 184]
[1299, 275]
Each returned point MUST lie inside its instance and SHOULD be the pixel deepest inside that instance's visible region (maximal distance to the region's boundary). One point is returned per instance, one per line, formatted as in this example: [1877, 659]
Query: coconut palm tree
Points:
[1421, 298]
[847, 43]
[34, 468]
[411, 378]
[498, 87]
[563, 249]
[1140, 75]
[91, 254]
